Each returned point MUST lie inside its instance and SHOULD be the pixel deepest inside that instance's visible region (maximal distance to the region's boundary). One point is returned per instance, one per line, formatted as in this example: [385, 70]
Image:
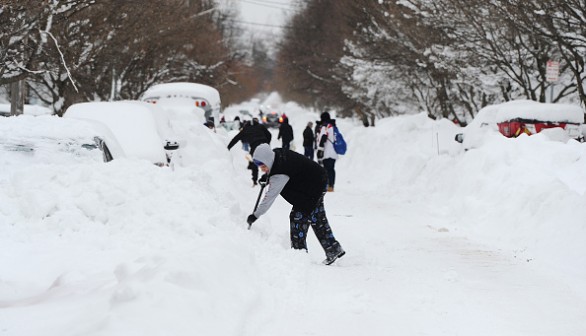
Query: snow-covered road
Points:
[439, 242]
[406, 274]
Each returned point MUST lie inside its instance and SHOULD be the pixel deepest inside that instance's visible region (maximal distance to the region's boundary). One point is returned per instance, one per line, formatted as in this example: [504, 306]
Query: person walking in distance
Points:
[253, 134]
[308, 141]
[301, 182]
[285, 133]
[316, 130]
[326, 154]
[236, 125]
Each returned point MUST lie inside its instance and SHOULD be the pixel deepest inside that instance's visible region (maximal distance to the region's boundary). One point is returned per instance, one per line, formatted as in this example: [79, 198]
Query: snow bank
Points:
[525, 195]
[130, 248]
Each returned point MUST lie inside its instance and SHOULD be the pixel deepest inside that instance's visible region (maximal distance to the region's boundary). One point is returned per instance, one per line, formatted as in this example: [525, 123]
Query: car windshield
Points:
[24, 151]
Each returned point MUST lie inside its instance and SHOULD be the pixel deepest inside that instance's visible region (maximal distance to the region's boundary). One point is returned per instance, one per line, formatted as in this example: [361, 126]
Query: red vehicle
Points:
[514, 118]
[529, 117]
[516, 127]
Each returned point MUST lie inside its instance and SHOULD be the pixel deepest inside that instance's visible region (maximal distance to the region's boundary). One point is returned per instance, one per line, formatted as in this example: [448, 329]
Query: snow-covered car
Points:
[194, 96]
[242, 112]
[134, 124]
[245, 112]
[249, 110]
[28, 109]
[5, 110]
[521, 117]
[26, 140]
[231, 125]
[530, 117]
[484, 123]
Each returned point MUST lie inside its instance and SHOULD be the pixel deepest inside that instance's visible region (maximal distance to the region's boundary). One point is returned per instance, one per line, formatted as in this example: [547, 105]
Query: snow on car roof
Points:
[161, 117]
[45, 126]
[206, 91]
[51, 138]
[133, 125]
[35, 110]
[532, 110]
[486, 116]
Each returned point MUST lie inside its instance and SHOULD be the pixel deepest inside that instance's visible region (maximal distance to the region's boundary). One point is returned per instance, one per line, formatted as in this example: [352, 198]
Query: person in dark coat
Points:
[308, 141]
[236, 125]
[326, 154]
[285, 133]
[302, 183]
[245, 145]
[253, 134]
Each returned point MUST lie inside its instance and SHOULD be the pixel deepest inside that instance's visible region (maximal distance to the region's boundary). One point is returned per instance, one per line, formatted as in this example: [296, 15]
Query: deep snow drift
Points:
[439, 241]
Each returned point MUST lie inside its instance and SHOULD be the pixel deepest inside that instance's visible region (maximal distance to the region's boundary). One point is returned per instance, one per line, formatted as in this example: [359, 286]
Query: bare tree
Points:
[457, 55]
[26, 34]
[73, 51]
[308, 59]
[563, 24]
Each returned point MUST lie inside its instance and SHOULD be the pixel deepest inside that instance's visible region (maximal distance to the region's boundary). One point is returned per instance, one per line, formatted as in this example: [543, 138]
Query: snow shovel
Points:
[262, 187]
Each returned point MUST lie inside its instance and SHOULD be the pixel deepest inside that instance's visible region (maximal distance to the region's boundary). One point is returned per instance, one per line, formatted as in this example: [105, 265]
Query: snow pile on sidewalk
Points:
[131, 248]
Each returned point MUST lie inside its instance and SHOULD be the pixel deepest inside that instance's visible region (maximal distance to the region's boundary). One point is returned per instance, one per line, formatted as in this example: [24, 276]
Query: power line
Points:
[308, 29]
[286, 7]
[269, 2]
[286, 3]
[259, 24]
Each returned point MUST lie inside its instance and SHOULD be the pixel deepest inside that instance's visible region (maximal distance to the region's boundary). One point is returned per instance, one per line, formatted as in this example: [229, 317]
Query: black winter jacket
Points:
[307, 179]
[308, 137]
[254, 135]
[285, 132]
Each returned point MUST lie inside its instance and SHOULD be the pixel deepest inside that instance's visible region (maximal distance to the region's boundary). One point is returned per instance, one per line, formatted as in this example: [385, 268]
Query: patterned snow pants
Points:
[318, 221]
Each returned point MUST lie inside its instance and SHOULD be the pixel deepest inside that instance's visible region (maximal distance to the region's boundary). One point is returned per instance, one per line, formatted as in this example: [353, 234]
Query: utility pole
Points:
[17, 98]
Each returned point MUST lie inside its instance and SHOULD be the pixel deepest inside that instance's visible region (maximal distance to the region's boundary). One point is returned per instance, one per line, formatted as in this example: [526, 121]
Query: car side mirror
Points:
[459, 137]
[171, 145]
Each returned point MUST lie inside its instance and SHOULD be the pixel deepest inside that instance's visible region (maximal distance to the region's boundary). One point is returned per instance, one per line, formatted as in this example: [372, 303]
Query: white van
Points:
[192, 95]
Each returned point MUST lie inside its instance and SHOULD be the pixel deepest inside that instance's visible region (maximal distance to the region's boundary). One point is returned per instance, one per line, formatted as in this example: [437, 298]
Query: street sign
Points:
[552, 71]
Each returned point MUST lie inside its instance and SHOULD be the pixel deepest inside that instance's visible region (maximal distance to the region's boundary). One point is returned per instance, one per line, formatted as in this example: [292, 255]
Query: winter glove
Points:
[251, 219]
[263, 180]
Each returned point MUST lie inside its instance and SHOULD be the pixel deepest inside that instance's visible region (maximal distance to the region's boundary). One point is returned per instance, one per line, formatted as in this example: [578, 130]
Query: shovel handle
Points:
[262, 187]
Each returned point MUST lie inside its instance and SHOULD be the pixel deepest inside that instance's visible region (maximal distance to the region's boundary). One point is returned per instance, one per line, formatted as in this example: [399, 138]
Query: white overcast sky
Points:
[264, 15]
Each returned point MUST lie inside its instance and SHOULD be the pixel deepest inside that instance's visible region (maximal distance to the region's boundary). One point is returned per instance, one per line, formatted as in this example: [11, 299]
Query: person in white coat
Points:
[326, 154]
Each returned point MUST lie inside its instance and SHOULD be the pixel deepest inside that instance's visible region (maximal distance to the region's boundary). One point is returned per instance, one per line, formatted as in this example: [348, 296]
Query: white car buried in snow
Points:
[193, 96]
[136, 126]
[34, 110]
[27, 140]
